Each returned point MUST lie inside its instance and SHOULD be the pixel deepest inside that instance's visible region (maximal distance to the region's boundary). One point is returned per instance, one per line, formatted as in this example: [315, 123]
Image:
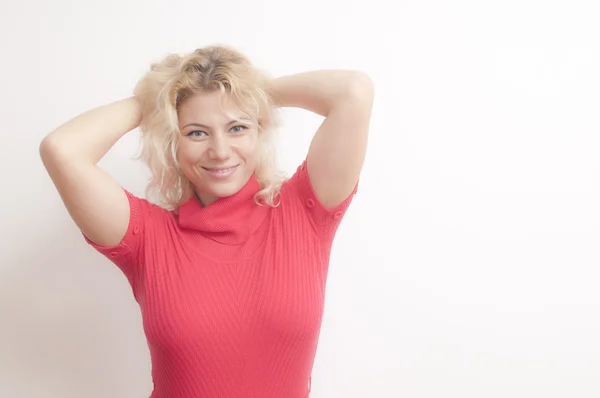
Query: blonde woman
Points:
[229, 263]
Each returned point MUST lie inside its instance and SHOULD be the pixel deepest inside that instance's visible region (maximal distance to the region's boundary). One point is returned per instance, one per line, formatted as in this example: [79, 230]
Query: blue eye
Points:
[195, 133]
[238, 129]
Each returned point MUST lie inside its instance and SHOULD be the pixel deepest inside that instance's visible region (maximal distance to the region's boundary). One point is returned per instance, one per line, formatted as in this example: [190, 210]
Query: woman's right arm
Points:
[95, 201]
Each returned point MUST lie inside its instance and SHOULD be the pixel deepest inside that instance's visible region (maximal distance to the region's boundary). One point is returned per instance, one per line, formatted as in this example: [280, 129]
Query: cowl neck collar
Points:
[230, 220]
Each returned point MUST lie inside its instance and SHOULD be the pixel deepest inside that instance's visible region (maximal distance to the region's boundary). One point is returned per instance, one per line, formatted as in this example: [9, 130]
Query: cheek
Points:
[250, 151]
[188, 153]
[252, 145]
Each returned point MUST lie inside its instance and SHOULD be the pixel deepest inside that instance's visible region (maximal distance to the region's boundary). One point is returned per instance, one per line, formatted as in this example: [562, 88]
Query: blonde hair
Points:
[177, 77]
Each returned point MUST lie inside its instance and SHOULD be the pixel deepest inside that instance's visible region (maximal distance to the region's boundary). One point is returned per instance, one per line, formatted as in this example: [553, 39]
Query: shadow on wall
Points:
[70, 327]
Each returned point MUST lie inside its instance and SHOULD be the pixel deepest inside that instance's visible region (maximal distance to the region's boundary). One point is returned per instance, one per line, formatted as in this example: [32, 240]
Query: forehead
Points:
[209, 108]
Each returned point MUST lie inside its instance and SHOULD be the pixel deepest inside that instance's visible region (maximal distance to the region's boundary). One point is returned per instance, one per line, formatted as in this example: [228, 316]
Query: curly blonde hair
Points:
[177, 77]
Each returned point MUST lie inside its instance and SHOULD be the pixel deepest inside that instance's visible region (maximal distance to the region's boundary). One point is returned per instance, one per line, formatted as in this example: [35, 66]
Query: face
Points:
[218, 147]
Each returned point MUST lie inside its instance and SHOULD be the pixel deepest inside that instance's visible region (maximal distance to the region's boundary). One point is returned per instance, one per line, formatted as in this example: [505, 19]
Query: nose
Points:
[220, 148]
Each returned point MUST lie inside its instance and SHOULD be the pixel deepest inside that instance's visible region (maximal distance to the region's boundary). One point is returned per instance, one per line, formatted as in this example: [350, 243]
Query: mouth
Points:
[220, 171]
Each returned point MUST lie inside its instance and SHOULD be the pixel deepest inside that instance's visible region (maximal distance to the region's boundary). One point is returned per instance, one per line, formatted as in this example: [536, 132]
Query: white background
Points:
[468, 264]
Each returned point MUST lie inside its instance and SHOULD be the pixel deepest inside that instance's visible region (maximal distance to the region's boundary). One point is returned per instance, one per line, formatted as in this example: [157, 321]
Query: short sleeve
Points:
[324, 221]
[128, 254]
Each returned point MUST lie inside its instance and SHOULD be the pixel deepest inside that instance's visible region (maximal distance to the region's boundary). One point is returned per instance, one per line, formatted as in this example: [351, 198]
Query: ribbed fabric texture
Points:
[231, 294]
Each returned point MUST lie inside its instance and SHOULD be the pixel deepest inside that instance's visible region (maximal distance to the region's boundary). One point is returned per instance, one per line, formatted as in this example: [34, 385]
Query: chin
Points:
[223, 189]
[214, 187]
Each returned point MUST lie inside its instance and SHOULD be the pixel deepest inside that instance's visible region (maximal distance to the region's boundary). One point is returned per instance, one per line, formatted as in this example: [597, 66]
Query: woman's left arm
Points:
[337, 150]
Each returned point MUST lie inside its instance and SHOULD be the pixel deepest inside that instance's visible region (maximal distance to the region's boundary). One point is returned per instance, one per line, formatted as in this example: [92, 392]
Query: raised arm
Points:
[337, 150]
[95, 201]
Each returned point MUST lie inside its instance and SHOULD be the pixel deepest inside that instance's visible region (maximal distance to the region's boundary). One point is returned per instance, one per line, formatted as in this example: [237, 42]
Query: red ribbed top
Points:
[231, 294]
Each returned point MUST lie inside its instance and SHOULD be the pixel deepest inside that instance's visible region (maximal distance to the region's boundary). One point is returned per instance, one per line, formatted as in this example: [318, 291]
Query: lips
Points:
[220, 169]
[220, 173]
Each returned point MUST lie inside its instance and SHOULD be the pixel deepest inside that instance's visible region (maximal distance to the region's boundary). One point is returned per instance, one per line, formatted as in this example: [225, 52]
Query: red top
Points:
[231, 294]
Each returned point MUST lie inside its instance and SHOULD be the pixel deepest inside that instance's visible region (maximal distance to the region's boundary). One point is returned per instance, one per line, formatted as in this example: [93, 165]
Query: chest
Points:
[270, 290]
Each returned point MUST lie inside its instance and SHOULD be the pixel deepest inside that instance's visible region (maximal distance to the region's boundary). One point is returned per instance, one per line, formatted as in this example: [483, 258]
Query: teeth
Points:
[222, 171]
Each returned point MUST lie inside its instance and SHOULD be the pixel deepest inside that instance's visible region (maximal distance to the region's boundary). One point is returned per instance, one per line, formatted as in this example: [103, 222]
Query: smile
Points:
[220, 172]
[220, 169]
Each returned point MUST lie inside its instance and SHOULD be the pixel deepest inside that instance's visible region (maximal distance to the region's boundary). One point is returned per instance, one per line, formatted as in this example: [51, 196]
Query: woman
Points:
[229, 270]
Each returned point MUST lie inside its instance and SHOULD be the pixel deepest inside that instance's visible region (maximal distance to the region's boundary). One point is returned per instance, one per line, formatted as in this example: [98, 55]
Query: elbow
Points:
[362, 80]
[360, 88]
[46, 148]
[47, 151]
[50, 151]
[358, 94]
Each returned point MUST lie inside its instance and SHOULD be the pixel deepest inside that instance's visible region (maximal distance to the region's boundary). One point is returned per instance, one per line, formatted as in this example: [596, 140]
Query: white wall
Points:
[468, 265]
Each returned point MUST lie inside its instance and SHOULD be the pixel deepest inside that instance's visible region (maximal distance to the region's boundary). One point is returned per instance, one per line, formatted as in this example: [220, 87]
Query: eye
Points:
[238, 129]
[196, 133]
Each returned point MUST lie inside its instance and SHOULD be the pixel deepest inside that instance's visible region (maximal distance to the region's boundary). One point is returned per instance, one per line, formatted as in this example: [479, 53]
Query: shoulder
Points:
[299, 199]
[144, 217]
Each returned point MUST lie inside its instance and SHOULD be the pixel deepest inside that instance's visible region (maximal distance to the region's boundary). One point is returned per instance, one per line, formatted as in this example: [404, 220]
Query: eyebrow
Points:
[208, 127]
